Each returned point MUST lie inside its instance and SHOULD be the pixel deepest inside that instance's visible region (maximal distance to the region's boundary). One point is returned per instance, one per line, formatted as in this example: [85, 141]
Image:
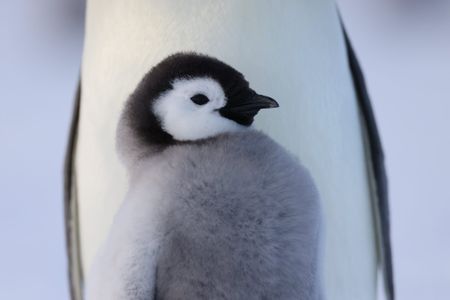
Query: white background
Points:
[404, 49]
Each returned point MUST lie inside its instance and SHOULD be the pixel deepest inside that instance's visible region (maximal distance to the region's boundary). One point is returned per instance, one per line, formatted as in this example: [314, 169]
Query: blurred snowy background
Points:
[404, 49]
[40, 52]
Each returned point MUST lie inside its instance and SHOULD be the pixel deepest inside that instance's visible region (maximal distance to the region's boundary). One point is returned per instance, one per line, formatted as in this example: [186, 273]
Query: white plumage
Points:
[294, 52]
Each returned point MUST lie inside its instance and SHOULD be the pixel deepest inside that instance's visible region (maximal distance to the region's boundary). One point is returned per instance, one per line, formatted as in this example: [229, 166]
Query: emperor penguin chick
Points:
[215, 209]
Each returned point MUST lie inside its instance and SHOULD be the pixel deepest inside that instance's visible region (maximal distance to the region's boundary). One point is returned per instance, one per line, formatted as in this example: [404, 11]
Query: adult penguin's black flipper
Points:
[377, 168]
[71, 206]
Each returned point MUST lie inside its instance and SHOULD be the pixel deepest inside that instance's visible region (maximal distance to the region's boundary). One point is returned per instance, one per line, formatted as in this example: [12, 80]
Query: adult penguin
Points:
[297, 52]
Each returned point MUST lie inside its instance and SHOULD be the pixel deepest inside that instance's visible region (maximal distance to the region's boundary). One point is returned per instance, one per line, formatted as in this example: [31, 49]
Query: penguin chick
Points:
[215, 209]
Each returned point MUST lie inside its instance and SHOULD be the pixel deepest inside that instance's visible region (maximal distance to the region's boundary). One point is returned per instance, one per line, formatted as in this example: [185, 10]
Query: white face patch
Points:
[187, 121]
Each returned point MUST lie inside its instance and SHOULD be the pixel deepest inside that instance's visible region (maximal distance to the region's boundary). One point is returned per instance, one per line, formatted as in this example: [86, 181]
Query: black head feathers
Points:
[242, 102]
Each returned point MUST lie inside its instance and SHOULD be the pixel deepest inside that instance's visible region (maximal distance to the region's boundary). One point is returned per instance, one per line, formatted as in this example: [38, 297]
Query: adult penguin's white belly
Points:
[293, 51]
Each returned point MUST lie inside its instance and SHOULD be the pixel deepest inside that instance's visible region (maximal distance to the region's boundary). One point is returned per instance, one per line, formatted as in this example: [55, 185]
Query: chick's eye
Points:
[200, 99]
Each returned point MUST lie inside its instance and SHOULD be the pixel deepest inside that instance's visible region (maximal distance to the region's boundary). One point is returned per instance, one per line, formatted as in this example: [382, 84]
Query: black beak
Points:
[252, 106]
[243, 112]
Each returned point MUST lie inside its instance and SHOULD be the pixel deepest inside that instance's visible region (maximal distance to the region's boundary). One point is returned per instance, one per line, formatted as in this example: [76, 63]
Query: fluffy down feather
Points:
[230, 217]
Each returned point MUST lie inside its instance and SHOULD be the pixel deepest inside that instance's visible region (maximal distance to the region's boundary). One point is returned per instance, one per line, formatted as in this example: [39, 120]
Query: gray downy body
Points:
[241, 221]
